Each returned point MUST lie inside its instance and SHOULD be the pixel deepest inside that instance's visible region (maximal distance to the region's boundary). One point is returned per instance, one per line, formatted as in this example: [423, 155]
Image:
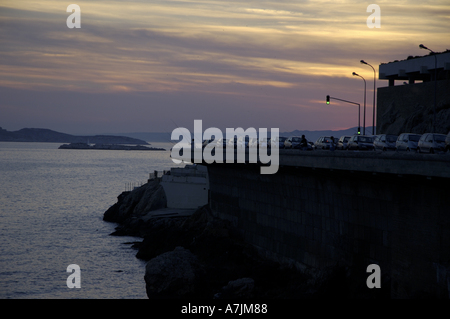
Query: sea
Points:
[51, 216]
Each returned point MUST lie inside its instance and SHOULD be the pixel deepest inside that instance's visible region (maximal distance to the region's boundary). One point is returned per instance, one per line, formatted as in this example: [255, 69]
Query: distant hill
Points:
[49, 136]
[140, 138]
[310, 135]
[162, 137]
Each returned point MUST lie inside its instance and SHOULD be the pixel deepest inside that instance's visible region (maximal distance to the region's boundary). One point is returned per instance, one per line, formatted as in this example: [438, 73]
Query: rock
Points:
[417, 118]
[113, 213]
[196, 256]
[240, 288]
[153, 198]
[175, 274]
[164, 234]
[135, 204]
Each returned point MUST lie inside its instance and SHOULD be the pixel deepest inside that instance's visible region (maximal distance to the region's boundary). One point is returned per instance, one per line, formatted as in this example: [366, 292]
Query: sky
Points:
[153, 66]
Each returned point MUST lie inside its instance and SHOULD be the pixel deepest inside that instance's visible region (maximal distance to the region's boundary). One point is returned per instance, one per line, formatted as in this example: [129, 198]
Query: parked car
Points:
[253, 142]
[295, 142]
[206, 142]
[447, 143]
[232, 142]
[279, 142]
[407, 142]
[385, 142]
[264, 142]
[223, 142]
[243, 142]
[292, 142]
[323, 143]
[257, 142]
[342, 142]
[360, 142]
[431, 143]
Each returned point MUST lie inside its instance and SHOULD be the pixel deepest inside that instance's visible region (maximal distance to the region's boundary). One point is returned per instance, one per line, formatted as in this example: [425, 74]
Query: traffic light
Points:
[328, 99]
[359, 130]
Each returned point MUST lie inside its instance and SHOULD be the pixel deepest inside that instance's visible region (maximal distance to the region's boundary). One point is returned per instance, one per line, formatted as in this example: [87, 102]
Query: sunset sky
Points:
[152, 66]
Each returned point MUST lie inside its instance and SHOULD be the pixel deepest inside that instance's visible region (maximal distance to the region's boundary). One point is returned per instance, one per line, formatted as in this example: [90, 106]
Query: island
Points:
[86, 146]
[49, 136]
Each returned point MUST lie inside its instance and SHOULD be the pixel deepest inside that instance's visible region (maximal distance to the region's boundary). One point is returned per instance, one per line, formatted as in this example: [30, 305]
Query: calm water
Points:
[51, 208]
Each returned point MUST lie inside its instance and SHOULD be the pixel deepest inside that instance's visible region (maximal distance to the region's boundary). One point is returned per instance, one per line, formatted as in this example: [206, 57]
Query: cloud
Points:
[256, 54]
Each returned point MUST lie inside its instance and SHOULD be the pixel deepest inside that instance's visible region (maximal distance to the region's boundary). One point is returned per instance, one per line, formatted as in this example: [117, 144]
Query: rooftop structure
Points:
[421, 104]
[416, 68]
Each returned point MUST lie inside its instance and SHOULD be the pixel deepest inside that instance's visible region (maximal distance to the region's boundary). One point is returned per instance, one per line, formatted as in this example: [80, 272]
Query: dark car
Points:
[360, 143]
[431, 143]
[385, 142]
[447, 143]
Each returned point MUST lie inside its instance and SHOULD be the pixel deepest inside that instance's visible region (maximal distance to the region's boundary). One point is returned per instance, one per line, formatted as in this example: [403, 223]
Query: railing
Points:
[131, 186]
[157, 174]
[188, 172]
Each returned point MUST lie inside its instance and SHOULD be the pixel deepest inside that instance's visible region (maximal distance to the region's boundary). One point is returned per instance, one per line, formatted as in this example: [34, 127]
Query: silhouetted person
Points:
[303, 143]
[332, 146]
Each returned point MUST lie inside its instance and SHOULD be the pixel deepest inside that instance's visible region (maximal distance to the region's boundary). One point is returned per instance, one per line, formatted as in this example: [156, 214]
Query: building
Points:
[407, 104]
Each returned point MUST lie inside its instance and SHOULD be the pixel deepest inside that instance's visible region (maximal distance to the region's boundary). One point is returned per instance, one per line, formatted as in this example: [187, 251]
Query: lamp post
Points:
[359, 109]
[435, 85]
[374, 91]
[364, 118]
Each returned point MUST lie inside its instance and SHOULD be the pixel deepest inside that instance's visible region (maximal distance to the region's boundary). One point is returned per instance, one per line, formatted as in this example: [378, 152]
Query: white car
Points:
[407, 142]
[385, 142]
[343, 142]
[431, 143]
[292, 142]
[323, 143]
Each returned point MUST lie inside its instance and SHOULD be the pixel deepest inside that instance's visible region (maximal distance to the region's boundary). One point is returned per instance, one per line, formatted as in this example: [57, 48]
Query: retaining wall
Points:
[319, 218]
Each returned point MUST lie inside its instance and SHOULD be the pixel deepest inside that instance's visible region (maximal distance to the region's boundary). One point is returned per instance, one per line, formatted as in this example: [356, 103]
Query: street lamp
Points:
[374, 80]
[359, 109]
[435, 85]
[364, 118]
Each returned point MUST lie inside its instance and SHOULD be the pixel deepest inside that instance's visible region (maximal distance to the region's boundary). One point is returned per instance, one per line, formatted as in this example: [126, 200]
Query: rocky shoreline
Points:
[199, 256]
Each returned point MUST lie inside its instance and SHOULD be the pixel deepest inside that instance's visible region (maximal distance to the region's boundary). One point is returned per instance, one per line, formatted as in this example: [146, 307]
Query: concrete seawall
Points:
[317, 217]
